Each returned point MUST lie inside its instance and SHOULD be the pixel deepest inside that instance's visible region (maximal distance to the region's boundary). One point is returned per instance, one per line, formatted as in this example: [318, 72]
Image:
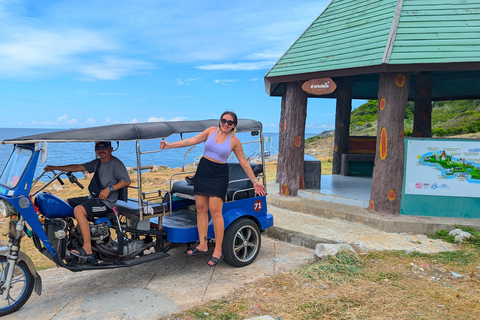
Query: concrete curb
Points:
[296, 238]
[398, 224]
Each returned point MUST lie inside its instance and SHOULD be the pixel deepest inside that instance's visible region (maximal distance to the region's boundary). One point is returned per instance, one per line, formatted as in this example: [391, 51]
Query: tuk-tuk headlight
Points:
[6, 208]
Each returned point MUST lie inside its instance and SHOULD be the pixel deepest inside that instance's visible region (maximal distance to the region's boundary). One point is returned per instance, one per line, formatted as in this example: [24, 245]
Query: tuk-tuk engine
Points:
[99, 231]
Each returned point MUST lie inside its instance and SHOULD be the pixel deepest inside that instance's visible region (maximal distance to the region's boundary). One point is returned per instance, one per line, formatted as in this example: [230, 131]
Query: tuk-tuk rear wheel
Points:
[241, 243]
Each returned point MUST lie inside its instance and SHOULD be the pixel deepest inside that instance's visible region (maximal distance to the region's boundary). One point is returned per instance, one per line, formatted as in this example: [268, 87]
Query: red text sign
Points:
[319, 87]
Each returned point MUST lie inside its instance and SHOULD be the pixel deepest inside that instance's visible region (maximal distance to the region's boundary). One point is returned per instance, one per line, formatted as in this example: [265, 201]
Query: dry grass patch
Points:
[384, 285]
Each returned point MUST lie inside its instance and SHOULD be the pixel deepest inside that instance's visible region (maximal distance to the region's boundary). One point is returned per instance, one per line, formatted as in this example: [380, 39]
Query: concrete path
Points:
[154, 289]
[308, 230]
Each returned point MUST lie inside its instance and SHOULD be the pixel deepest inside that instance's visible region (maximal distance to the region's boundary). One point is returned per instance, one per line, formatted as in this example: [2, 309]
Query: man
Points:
[110, 176]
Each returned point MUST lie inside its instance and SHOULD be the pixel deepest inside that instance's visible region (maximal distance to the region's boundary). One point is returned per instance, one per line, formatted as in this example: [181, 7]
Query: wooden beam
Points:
[342, 121]
[422, 112]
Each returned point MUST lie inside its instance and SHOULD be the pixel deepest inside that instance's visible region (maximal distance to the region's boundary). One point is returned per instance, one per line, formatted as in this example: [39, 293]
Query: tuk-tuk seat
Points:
[131, 208]
[239, 186]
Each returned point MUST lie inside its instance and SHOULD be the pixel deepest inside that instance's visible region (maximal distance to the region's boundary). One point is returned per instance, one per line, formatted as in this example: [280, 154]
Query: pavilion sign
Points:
[319, 87]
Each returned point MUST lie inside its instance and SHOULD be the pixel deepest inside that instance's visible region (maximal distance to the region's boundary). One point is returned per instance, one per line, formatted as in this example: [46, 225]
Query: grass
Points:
[379, 285]
[474, 240]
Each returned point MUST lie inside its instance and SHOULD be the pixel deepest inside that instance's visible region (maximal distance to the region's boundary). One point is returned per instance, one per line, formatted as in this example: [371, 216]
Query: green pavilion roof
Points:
[364, 38]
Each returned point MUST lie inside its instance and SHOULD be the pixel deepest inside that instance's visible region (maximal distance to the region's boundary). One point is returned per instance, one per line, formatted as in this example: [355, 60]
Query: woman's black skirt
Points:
[211, 179]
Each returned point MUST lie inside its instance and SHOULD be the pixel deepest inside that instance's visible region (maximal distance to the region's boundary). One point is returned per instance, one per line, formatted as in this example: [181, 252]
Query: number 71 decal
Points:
[258, 205]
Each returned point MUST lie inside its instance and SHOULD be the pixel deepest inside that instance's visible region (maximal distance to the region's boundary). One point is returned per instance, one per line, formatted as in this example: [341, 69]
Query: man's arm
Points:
[117, 186]
[67, 168]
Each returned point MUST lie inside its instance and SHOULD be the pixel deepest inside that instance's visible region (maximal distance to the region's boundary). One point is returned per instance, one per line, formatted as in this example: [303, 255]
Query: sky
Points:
[74, 64]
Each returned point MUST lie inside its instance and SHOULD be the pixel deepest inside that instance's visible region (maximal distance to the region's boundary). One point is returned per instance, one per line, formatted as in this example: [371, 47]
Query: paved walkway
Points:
[306, 221]
[308, 230]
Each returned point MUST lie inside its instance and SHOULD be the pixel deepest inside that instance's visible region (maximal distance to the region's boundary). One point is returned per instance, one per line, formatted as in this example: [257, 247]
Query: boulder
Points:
[459, 235]
[324, 250]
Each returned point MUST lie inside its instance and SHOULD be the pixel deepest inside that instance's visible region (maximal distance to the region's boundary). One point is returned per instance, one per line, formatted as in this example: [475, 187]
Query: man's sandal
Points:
[81, 254]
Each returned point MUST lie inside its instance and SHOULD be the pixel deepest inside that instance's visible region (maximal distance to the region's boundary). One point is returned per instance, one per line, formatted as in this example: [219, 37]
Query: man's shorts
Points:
[94, 206]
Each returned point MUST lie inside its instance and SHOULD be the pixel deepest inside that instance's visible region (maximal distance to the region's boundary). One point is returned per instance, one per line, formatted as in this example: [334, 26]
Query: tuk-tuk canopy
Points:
[131, 131]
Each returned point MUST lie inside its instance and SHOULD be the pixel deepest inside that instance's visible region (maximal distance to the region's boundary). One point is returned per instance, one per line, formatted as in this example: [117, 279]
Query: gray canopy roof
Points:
[131, 131]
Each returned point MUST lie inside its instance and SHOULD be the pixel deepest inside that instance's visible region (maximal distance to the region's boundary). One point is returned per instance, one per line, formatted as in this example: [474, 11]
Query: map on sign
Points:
[443, 167]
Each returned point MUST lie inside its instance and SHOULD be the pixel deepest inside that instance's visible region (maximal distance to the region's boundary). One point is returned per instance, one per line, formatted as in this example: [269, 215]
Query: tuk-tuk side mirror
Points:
[44, 152]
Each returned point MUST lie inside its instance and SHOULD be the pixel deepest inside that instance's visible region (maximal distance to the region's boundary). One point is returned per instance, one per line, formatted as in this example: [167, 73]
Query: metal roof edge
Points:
[393, 32]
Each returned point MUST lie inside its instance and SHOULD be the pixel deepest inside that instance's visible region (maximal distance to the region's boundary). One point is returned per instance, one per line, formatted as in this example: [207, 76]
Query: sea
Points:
[81, 152]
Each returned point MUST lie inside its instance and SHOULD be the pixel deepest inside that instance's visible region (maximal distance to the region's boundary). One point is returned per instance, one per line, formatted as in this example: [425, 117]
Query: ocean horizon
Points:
[81, 152]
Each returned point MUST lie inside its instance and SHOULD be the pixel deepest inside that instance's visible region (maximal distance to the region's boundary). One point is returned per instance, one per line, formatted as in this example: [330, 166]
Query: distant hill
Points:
[448, 118]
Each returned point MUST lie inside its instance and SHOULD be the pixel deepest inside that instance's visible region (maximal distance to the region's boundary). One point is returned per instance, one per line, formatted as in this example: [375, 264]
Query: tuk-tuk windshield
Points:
[15, 167]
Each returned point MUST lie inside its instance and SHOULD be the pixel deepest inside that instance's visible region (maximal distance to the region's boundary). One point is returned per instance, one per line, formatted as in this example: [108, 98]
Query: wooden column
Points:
[388, 171]
[422, 112]
[292, 139]
[281, 126]
[342, 121]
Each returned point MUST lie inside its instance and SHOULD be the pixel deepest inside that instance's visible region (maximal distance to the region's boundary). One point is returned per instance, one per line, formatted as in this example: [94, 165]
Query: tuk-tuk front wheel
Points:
[241, 243]
[20, 289]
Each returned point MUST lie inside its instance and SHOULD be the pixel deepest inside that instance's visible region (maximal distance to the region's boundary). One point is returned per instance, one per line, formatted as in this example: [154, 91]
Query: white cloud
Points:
[64, 120]
[312, 125]
[91, 121]
[110, 121]
[186, 82]
[178, 119]
[111, 39]
[30, 52]
[109, 94]
[155, 119]
[245, 66]
[60, 121]
[133, 121]
[113, 68]
[161, 119]
[226, 81]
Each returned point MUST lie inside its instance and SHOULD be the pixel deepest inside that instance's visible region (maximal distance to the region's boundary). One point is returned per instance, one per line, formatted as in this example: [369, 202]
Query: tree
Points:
[293, 116]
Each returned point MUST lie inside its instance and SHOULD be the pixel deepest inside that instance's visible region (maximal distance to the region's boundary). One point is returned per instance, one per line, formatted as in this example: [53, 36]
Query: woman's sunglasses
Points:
[229, 122]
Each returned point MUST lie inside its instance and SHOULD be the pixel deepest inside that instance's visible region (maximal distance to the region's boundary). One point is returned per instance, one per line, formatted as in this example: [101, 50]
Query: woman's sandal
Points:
[196, 252]
[215, 261]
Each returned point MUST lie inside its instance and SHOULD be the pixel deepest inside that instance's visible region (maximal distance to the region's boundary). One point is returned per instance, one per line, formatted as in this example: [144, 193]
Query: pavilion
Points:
[392, 51]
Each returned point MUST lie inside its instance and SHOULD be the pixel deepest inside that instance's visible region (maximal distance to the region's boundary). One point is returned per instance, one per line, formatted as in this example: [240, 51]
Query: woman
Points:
[211, 178]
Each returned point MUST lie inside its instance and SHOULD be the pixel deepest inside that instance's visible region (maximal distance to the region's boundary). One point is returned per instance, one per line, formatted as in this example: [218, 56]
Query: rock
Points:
[459, 235]
[323, 250]
[57, 187]
[154, 169]
[327, 133]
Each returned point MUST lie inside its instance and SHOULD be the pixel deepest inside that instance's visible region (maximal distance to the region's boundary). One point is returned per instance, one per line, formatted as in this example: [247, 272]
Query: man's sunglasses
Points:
[101, 147]
[229, 122]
